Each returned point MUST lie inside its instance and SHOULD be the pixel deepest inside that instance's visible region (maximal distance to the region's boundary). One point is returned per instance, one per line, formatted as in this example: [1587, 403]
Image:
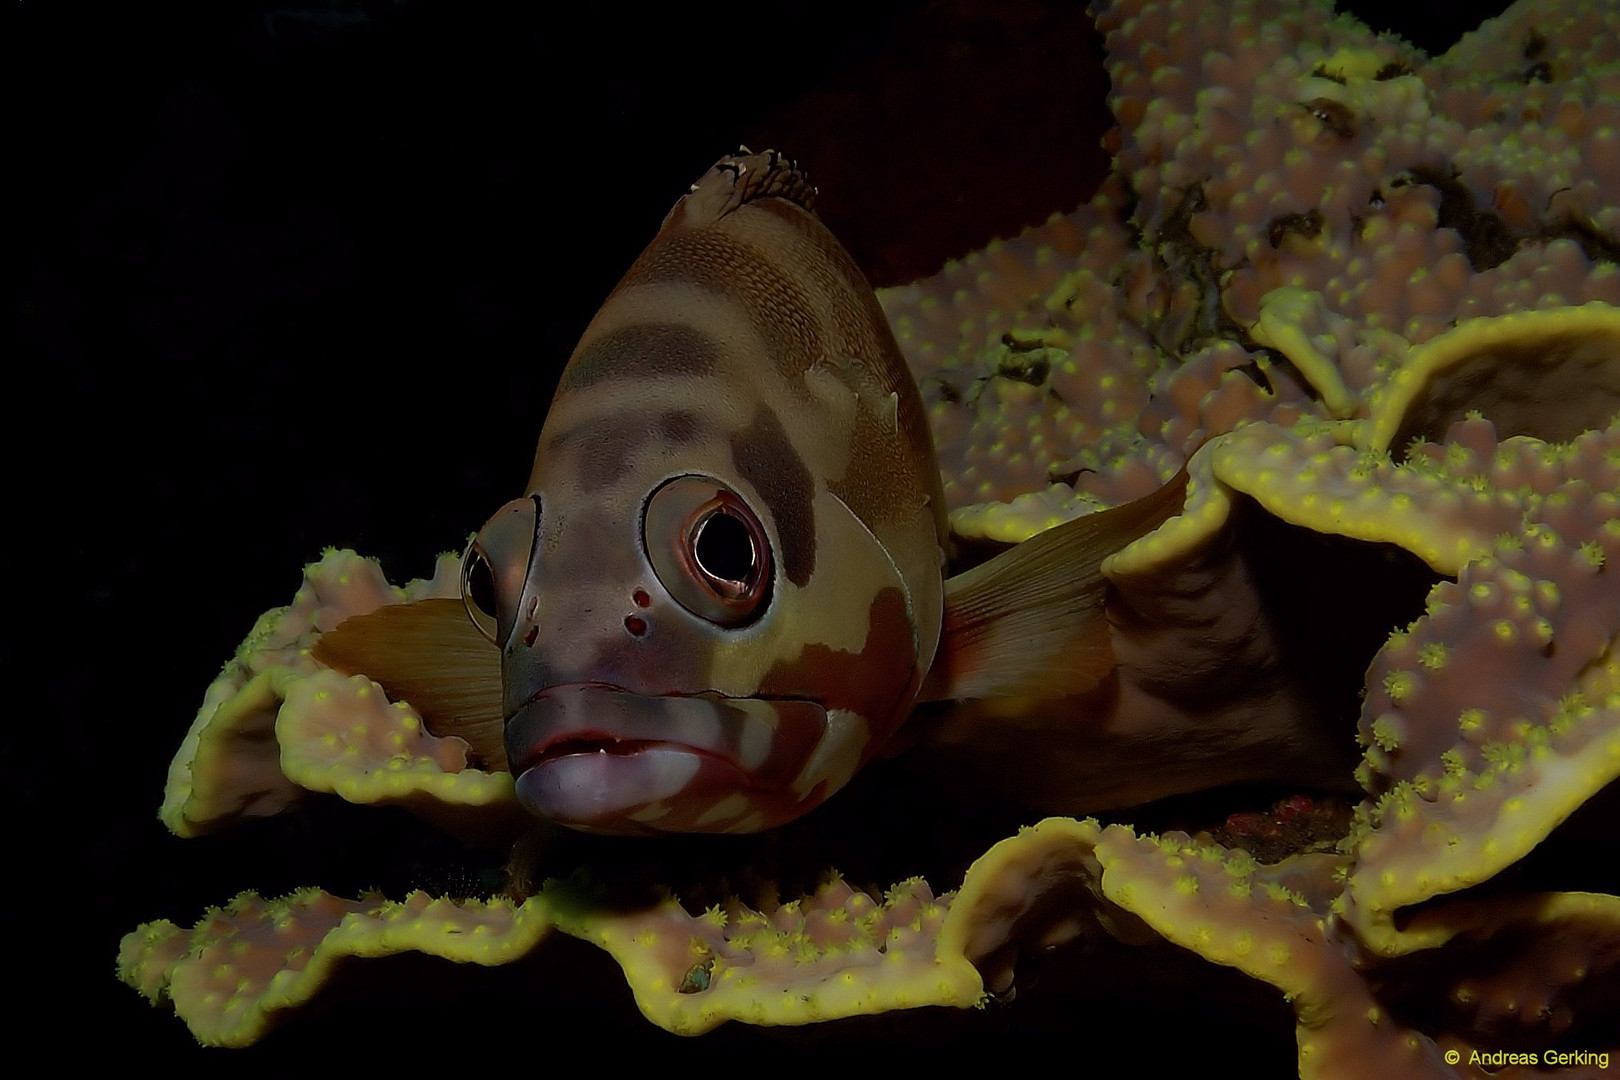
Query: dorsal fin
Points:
[737, 180]
[1030, 622]
[429, 654]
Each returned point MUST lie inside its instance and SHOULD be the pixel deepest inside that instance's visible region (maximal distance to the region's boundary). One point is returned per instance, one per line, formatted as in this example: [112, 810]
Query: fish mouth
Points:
[604, 759]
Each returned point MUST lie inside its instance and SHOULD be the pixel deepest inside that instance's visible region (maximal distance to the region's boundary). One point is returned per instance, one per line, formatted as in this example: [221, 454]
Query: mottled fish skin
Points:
[741, 364]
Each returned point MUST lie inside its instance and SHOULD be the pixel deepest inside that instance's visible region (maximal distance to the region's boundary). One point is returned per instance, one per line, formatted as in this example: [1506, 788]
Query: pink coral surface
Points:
[1288, 185]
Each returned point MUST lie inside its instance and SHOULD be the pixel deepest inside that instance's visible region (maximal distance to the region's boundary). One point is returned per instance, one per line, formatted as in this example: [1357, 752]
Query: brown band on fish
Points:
[777, 308]
[679, 426]
[602, 450]
[858, 322]
[765, 457]
[642, 351]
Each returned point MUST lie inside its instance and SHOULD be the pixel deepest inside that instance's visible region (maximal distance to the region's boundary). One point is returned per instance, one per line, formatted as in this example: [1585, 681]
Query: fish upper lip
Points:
[612, 688]
[578, 722]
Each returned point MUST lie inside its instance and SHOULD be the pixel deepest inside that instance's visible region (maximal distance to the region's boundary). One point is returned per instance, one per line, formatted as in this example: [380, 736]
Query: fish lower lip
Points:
[590, 747]
[626, 793]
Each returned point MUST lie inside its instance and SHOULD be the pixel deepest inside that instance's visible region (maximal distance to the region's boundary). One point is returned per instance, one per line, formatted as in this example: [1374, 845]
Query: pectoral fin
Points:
[1030, 623]
[429, 654]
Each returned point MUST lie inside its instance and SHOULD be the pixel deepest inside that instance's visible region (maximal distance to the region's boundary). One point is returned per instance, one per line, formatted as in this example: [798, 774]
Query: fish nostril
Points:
[528, 639]
[641, 598]
[635, 624]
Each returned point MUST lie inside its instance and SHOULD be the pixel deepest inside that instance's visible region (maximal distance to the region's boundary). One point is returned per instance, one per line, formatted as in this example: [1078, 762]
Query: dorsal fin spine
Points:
[739, 179]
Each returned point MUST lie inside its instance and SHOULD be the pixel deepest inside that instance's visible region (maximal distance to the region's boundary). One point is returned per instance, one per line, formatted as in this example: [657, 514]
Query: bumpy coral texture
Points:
[1366, 293]
[1296, 203]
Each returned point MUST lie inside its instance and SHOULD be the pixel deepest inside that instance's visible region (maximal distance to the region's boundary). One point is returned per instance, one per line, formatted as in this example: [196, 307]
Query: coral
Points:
[1369, 302]
[1277, 923]
[246, 962]
[1296, 205]
[835, 953]
[276, 723]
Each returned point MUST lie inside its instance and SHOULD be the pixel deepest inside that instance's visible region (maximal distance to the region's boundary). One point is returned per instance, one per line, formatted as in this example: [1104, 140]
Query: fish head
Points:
[721, 592]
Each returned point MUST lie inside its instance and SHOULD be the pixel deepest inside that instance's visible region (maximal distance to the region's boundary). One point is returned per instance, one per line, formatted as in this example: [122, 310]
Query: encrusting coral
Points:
[1280, 257]
[1364, 298]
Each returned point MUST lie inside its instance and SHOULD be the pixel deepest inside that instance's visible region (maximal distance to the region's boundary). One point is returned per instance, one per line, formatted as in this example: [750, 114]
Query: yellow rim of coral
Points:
[1389, 402]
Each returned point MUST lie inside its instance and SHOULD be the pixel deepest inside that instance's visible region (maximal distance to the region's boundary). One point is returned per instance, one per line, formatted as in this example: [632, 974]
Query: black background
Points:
[297, 276]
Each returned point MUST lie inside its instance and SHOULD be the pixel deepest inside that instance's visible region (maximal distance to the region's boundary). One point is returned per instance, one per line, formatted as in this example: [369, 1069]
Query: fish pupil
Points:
[724, 548]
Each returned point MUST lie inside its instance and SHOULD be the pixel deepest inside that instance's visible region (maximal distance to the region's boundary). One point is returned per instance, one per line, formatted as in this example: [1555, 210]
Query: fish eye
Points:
[709, 549]
[478, 590]
[495, 566]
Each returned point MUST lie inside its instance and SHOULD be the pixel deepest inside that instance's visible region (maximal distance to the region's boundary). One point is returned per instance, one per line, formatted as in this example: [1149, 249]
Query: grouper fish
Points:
[726, 586]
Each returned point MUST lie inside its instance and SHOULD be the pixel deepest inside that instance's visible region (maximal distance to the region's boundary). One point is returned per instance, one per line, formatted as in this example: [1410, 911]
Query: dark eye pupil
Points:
[724, 549]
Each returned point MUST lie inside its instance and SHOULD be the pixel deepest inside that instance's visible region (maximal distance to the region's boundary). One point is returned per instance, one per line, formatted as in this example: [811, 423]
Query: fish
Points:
[727, 585]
